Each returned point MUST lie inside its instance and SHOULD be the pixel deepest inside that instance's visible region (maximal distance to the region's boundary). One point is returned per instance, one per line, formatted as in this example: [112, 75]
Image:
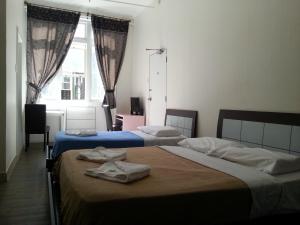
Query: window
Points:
[78, 77]
[74, 73]
[81, 30]
[97, 86]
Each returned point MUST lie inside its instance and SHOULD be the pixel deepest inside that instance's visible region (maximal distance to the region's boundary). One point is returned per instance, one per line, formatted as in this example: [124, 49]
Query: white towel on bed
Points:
[118, 171]
[102, 155]
[82, 132]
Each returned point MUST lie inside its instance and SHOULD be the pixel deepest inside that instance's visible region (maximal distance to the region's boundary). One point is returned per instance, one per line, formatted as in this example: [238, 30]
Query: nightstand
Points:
[129, 122]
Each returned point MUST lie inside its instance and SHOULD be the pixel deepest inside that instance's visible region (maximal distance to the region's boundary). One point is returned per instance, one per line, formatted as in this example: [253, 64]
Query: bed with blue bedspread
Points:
[115, 139]
[183, 120]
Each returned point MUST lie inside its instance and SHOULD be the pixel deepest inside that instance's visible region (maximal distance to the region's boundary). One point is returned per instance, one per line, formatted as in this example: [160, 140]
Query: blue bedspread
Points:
[113, 139]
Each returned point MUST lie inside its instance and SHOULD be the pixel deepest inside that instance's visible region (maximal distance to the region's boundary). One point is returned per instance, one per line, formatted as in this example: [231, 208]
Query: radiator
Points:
[56, 121]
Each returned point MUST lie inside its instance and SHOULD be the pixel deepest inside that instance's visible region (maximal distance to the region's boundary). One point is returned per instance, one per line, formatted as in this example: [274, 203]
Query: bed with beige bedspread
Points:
[178, 191]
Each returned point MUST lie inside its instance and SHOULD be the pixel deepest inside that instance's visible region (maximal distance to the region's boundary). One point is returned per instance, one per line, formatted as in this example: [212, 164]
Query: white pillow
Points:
[160, 131]
[270, 162]
[205, 144]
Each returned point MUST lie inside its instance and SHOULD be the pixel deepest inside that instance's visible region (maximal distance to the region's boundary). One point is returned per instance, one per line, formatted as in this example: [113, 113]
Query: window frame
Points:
[88, 40]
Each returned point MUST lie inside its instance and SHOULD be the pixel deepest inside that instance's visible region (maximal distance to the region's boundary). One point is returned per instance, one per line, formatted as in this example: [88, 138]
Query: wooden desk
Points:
[129, 122]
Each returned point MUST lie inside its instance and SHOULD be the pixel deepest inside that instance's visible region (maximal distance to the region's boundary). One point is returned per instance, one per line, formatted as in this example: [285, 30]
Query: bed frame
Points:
[270, 130]
[184, 121]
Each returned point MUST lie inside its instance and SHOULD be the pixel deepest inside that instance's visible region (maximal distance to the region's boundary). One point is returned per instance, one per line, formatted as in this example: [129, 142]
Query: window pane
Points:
[75, 60]
[67, 79]
[97, 90]
[51, 90]
[66, 94]
[66, 86]
[80, 31]
[74, 68]
[78, 84]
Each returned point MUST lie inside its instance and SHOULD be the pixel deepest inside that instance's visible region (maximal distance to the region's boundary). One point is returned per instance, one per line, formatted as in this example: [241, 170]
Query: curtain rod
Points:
[128, 3]
[74, 11]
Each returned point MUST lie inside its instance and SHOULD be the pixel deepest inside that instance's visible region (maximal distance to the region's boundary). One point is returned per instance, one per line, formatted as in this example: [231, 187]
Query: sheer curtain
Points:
[110, 37]
[49, 36]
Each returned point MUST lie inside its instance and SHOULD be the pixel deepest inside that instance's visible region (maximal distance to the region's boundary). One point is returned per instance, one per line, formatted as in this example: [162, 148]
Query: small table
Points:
[129, 122]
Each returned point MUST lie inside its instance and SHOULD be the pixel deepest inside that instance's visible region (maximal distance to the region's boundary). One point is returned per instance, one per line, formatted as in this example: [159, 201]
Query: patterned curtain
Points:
[110, 37]
[49, 37]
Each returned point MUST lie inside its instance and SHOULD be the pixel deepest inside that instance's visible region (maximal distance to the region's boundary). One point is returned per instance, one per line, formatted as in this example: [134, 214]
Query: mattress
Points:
[178, 191]
[114, 139]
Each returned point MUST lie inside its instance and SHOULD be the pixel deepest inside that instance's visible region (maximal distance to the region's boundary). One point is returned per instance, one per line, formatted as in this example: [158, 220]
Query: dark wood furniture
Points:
[187, 114]
[35, 123]
[256, 116]
[271, 130]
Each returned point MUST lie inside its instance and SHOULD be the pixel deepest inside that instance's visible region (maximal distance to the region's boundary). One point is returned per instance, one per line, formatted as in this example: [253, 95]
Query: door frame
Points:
[160, 51]
[19, 91]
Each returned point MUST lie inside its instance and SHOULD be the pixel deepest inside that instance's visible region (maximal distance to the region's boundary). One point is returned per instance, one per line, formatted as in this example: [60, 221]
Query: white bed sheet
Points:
[291, 191]
[150, 140]
[270, 194]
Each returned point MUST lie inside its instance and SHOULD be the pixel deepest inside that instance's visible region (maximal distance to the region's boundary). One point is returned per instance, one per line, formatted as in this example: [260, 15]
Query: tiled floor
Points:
[24, 199]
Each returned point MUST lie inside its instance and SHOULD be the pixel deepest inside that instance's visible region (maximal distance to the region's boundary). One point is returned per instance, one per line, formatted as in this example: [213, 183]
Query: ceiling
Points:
[118, 8]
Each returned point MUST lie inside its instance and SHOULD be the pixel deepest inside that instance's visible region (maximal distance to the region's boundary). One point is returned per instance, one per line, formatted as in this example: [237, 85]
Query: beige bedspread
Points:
[178, 191]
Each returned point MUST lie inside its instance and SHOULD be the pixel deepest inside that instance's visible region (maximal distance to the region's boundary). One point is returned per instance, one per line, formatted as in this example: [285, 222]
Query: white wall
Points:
[14, 19]
[123, 88]
[2, 85]
[223, 54]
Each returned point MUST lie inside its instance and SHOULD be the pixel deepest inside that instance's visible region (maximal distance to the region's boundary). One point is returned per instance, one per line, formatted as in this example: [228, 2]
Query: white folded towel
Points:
[102, 155]
[118, 171]
[82, 132]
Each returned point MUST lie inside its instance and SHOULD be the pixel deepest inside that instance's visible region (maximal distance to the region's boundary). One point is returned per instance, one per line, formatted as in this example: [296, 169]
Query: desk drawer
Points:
[81, 118]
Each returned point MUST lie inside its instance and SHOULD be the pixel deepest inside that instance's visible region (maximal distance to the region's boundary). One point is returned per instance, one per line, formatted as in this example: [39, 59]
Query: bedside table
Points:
[129, 122]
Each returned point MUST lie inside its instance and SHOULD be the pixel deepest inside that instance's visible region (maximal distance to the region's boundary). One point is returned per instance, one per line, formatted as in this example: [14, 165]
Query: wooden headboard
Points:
[184, 121]
[271, 130]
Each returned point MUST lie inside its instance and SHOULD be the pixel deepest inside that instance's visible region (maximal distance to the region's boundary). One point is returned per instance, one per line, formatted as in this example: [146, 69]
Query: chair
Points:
[109, 122]
[35, 123]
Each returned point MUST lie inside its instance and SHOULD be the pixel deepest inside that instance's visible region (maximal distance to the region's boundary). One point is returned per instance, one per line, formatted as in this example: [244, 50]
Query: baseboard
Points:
[2, 178]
